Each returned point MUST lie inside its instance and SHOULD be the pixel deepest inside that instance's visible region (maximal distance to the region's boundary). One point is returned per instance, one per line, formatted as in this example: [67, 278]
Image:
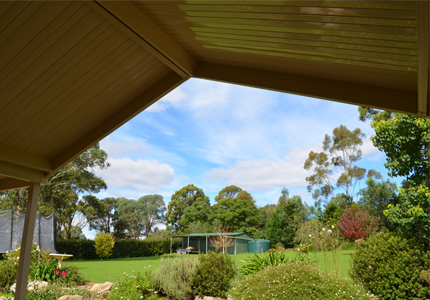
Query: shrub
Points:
[44, 271]
[389, 266]
[84, 249]
[174, 276]
[135, 286]
[103, 242]
[213, 274]
[279, 247]
[8, 274]
[356, 223]
[295, 281]
[309, 229]
[256, 263]
[71, 276]
[53, 292]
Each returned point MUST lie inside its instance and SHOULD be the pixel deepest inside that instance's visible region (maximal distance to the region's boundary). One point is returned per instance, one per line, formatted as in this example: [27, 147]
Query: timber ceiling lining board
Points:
[373, 35]
[63, 70]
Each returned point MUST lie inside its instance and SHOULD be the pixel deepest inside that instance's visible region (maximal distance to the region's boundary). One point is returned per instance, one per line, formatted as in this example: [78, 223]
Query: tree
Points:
[340, 153]
[357, 223]
[61, 195]
[103, 219]
[377, 196]
[132, 212]
[154, 208]
[223, 240]
[287, 218]
[104, 242]
[236, 214]
[367, 113]
[230, 191]
[410, 214]
[197, 217]
[180, 200]
[405, 140]
[264, 214]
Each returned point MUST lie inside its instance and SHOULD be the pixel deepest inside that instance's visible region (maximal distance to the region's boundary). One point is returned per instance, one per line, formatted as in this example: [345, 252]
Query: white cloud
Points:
[174, 98]
[117, 149]
[370, 152]
[264, 174]
[141, 175]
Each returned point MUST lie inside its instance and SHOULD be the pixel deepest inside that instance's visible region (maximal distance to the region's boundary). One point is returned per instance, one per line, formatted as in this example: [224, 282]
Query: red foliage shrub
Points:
[356, 223]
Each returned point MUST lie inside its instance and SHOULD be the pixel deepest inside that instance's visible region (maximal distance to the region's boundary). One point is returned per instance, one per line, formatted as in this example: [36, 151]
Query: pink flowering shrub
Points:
[356, 223]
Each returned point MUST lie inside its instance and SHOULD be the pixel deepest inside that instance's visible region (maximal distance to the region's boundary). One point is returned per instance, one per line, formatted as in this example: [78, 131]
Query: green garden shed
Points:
[201, 242]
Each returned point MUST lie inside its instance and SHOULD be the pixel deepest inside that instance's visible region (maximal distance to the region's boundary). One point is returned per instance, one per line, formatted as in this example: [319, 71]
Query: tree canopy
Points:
[180, 200]
[340, 153]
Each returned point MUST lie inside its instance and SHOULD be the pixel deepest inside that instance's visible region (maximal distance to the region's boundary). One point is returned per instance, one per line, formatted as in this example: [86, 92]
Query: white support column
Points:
[206, 244]
[27, 241]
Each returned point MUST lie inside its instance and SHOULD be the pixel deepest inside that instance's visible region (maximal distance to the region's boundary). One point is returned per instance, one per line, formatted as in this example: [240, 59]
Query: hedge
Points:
[84, 249]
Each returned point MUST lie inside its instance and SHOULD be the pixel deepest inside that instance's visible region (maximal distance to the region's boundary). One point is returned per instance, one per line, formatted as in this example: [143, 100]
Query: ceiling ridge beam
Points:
[25, 159]
[339, 91]
[423, 25]
[119, 118]
[23, 173]
[130, 19]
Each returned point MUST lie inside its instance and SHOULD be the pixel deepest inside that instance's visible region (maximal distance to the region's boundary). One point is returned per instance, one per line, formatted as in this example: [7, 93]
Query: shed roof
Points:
[235, 234]
[71, 72]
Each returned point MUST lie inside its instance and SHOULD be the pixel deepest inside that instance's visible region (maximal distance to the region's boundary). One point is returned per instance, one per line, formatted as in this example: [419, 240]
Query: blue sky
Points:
[214, 134]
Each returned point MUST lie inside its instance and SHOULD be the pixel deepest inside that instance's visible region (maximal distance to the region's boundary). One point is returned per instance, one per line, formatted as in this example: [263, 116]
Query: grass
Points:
[112, 269]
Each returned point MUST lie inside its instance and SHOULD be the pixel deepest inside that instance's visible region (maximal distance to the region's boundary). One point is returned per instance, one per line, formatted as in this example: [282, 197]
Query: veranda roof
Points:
[71, 72]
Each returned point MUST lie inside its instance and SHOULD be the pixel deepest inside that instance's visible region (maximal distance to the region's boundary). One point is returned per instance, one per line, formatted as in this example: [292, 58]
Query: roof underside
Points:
[72, 72]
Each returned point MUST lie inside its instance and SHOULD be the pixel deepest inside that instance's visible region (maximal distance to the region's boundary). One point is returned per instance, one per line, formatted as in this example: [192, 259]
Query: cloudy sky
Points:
[214, 134]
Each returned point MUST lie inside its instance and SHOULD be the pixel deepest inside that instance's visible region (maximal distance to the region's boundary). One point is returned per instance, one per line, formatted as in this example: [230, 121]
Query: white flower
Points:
[323, 229]
[310, 235]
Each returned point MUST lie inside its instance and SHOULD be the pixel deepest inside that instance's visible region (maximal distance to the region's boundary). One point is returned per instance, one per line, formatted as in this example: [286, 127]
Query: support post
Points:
[27, 241]
[188, 242]
[170, 245]
[206, 244]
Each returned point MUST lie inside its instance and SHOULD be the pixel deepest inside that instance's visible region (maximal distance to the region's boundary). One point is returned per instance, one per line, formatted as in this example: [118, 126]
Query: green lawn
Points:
[112, 269]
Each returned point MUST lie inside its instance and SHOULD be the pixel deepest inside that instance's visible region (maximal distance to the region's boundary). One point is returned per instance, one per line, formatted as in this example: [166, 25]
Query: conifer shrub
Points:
[174, 276]
[214, 274]
[293, 281]
[389, 266]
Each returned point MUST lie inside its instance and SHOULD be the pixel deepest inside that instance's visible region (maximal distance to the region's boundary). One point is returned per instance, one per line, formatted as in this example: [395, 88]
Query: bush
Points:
[213, 274]
[295, 281]
[53, 292]
[279, 247]
[84, 249]
[71, 277]
[44, 271]
[356, 223]
[310, 229]
[389, 266]
[103, 242]
[256, 263]
[8, 274]
[174, 276]
[135, 286]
